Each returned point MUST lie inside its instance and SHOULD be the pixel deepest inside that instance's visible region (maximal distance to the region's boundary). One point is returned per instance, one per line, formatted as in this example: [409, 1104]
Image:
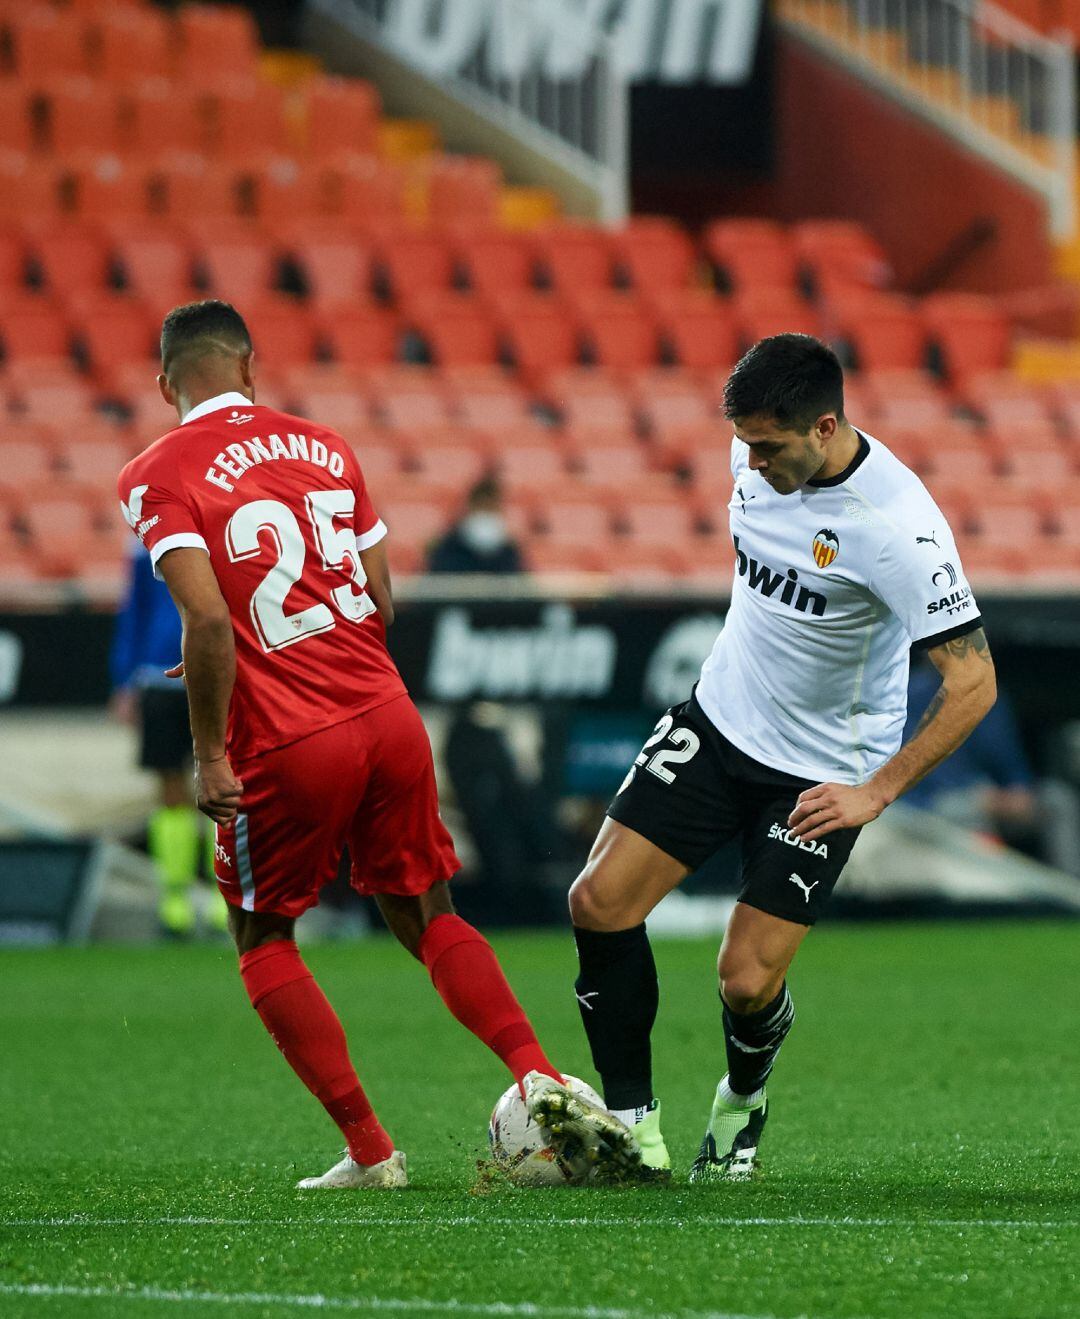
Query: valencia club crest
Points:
[826, 547]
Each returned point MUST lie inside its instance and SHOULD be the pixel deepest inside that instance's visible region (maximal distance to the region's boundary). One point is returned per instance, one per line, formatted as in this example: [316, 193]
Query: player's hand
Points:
[217, 789]
[177, 671]
[832, 806]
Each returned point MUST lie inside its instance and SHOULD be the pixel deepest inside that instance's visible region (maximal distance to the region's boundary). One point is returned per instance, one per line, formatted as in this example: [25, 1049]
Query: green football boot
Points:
[655, 1160]
[729, 1151]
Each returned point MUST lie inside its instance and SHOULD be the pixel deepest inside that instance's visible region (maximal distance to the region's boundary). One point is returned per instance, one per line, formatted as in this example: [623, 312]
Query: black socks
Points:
[753, 1040]
[618, 994]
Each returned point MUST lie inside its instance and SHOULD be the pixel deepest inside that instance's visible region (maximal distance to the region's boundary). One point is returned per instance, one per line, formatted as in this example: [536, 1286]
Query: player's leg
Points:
[673, 810]
[271, 862]
[172, 831]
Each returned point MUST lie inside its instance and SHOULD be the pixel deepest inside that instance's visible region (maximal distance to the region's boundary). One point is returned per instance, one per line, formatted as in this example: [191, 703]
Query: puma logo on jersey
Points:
[787, 588]
[784, 835]
[801, 883]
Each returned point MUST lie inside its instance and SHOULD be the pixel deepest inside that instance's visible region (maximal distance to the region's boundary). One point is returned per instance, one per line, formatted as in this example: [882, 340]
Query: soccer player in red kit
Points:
[304, 736]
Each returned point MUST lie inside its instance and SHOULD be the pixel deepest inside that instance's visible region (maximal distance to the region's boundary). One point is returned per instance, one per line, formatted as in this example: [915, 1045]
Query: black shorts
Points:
[690, 791]
[165, 742]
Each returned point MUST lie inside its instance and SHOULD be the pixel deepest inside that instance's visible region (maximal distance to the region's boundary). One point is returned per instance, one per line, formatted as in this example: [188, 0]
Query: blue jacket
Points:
[146, 640]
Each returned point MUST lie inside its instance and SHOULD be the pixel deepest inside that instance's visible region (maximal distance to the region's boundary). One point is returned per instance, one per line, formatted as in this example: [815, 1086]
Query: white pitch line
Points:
[481, 1220]
[356, 1304]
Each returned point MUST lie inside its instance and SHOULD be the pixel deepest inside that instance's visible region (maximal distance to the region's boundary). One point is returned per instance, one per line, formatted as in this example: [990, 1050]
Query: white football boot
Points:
[569, 1116]
[348, 1175]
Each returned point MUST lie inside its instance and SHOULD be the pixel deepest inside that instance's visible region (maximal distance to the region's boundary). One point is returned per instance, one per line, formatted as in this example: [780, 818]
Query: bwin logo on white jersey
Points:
[785, 587]
[785, 835]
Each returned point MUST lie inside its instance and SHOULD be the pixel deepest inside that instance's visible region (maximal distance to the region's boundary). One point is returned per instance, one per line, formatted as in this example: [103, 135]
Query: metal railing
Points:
[1003, 89]
[557, 87]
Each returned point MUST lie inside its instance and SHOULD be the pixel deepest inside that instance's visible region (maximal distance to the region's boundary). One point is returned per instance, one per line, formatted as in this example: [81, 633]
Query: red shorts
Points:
[368, 781]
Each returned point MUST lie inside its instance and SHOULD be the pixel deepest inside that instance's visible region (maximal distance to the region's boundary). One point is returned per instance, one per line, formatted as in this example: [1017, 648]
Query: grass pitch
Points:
[922, 1158]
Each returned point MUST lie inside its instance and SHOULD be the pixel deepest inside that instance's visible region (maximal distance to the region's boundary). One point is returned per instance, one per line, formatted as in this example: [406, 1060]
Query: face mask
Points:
[483, 532]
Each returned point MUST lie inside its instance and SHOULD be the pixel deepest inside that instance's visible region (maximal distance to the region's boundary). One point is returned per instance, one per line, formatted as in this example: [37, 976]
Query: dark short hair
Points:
[200, 328]
[792, 378]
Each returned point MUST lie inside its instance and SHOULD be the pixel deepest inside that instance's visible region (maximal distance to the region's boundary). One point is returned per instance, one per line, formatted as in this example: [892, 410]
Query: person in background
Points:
[480, 541]
[146, 642]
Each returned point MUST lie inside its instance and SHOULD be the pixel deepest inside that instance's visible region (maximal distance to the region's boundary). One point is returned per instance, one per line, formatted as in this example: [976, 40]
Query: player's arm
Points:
[967, 692]
[209, 670]
[376, 566]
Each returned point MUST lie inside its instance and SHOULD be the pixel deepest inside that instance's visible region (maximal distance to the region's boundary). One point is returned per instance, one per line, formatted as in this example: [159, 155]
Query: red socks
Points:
[307, 1031]
[465, 971]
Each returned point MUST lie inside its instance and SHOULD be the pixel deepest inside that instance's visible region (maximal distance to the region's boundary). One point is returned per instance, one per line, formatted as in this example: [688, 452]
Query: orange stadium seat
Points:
[1008, 516]
[488, 399]
[411, 263]
[379, 459]
[554, 558]
[46, 43]
[159, 117]
[81, 115]
[408, 398]
[113, 330]
[762, 311]
[247, 119]
[575, 515]
[841, 254]
[653, 252]
[12, 262]
[129, 43]
[538, 332]
[15, 120]
[590, 400]
[697, 328]
[238, 260]
[105, 188]
[341, 114]
[971, 332]
[617, 329]
[524, 467]
[284, 192]
[29, 187]
[643, 565]
[1004, 400]
[1046, 466]
[751, 253]
[668, 397]
[155, 259]
[325, 394]
[95, 462]
[217, 42]
[195, 190]
[33, 328]
[573, 257]
[495, 261]
[904, 400]
[712, 563]
[949, 464]
[456, 466]
[415, 523]
[622, 458]
[364, 191]
[283, 330]
[361, 335]
[457, 326]
[57, 399]
[62, 526]
[885, 331]
[25, 460]
[464, 190]
[335, 261]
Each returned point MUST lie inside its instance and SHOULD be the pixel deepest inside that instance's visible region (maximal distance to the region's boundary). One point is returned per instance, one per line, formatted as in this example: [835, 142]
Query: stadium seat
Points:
[463, 191]
[904, 400]
[194, 190]
[488, 399]
[217, 43]
[751, 254]
[976, 462]
[1046, 466]
[711, 563]
[840, 254]
[340, 114]
[284, 191]
[456, 466]
[1008, 516]
[29, 187]
[379, 458]
[33, 328]
[130, 43]
[414, 523]
[590, 400]
[971, 333]
[538, 332]
[617, 329]
[572, 257]
[364, 191]
[282, 329]
[546, 557]
[81, 116]
[237, 261]
[12, 262]
[248, 119]
[360, 335]
[15, 118]
[619, 459]
[159, 118]
[494, 261]
[697, 328]
[634, 566]
[457, 327]
[335, 261]
[524, 467]
[113, 329]
[62, 526]
[153, 259]
[669, 398]
[412, 263]
[61, 399]
[575, 515]
[1004, 400]
[653, 253]
[409, 398]
[762, 311]
[106, 188]
[45, 43]
[24, 461]
[96, 462]
[885, 332]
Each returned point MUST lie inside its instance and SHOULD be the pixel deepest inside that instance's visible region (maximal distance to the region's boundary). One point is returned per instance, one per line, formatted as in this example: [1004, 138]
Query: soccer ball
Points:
[523, 1149]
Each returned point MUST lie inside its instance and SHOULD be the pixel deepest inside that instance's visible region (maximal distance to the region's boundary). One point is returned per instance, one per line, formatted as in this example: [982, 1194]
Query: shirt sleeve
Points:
[156, 511]
[369, 527]
[919, 576]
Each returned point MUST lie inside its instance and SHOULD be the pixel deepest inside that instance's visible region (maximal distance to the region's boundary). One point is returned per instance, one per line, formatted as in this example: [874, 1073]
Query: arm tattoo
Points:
[961, 647]
[931, 712]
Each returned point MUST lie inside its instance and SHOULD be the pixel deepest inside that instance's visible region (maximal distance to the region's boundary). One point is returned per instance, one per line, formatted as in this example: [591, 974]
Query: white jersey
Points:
[833, 586]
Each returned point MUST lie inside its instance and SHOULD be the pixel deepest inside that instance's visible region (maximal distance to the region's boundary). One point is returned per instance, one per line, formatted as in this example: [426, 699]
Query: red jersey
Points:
[280, 506]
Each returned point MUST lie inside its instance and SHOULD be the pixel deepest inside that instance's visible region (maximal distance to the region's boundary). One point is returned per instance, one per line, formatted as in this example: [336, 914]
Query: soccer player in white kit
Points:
[790, 740]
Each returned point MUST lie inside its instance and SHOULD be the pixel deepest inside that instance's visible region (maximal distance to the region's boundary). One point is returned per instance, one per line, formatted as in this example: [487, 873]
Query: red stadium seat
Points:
[653, 253]
[614, 463]
[337, 402]
[29, 187]
[361, 335]
[195, 190]
[524, 467]
[464, 191]
[538, 331]
[1009, 516]
[752, 254]
[711, 563]
[841, 254]
[81, 115]
[409, 398]
[114, 330]
[885, 331]
[590, 401]
[548, 558]
[668, 398]
[217, 42]
[56, 399]
[159, 117]
[33, 328]
[1047, 466]
[496, 261]
[379, 459]
[106, 188]
[1004, 400]
[573, 257]
[154, 258]
[412, 263]
[762, 311]
[617, 329]
[457, 327]
[95, 462]
[283, 331]
[575, 515]
[239, 261]
[15, 118]
[489, 399]
[905, 400]
[12, 262]
[248, 119]
[71, 256]
[977, 462]
[364, 191]
[285, 191]
[335, 260]
[341, 114]
[973, 333]
[415, 523]
[24, 461]
[457, 467]
[633, 565]
[129, 44]
[45, 43]
[697, 328]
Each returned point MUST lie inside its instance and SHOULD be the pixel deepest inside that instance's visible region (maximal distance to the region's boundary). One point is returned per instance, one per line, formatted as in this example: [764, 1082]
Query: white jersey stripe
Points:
[243, 864]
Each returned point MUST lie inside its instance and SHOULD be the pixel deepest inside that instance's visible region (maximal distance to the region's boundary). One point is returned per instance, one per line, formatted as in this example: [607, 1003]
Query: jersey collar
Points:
[849, 471]
[232, 399]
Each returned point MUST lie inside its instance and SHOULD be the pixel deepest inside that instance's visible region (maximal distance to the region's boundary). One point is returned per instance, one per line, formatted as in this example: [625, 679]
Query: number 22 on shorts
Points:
[686, 746]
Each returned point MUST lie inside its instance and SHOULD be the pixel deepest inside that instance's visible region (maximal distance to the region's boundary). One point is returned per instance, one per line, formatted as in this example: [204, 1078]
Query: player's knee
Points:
[595, 906]
[747, 985]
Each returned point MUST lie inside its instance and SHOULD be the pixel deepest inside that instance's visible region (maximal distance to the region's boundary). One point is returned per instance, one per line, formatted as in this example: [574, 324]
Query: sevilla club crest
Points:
[826, 547]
